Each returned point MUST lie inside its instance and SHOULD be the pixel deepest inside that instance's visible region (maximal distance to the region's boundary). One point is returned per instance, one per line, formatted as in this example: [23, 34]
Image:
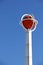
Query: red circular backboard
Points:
[28, 22]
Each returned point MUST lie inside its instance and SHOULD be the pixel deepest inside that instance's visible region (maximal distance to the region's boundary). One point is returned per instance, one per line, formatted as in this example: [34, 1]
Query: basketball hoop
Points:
[28, 22]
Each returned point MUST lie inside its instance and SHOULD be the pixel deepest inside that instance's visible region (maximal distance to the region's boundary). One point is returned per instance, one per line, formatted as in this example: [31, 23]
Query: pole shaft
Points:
[29, 48]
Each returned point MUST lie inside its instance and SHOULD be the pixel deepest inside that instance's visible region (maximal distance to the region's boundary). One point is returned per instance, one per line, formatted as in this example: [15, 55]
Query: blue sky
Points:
[13, 36]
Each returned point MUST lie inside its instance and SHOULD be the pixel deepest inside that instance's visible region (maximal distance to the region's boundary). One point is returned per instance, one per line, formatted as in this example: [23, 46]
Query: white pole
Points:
[29, 47]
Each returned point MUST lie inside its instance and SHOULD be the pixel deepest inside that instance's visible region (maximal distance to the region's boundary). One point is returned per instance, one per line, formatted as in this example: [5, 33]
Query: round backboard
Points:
[28, 22]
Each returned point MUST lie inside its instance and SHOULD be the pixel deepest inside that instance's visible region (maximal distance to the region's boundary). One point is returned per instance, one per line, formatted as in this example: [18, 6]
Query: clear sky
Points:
[13, 36]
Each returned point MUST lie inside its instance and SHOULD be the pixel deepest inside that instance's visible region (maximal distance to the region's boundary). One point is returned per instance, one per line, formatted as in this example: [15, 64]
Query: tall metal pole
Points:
[29, 24]
[28, 47]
